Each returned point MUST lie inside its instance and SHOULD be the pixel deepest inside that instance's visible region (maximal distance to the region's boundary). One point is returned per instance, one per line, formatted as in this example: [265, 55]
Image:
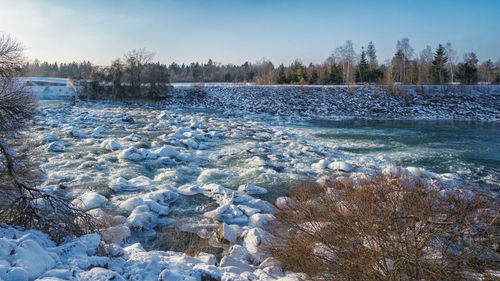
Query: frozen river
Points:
[95, 152]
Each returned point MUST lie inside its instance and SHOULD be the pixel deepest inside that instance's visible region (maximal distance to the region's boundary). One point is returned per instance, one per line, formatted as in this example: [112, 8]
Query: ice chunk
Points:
[341, 166]
[252, 189]
[226, 234]
[111, 144]
[89, 200]
[138, 183]
[116, 234]
[49, 138]
[166, 151]
[55, 147]
[260, 220]
[133, 154]
[33, 258]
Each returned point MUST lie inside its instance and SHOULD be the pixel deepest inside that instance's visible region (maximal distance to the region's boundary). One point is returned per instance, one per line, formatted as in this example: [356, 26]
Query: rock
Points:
[238, 252]
[253, 242]
[166, 151]
[226, 234]
[111, 144]
[47, 138]
[163, 197]
[138, 183]
[284, 202]
[99, 274]
[260, 220]
[32, 258]
[17, 274]
[128, 119]
[116, 234]
[239, 264]
[55, 147]
[252, 189]
[341, 166]
[132, 154]
[89, 200]
[321, 165]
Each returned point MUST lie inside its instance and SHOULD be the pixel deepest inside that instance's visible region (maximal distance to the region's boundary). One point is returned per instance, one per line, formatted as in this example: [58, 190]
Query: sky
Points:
[235, 31]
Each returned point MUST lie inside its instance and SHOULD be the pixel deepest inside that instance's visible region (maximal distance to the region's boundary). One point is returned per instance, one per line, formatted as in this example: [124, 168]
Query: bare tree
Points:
[424, 61]
[346, 55]
[452, 58]
[21, 203]
[406, 52]
[135, 61]
[11, 56]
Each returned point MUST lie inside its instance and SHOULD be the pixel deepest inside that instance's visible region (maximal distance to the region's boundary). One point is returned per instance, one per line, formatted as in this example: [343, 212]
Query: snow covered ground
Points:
[331, 102]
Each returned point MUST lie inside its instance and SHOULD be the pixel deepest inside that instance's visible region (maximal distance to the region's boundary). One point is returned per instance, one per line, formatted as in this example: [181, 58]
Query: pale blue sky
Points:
[234, 31]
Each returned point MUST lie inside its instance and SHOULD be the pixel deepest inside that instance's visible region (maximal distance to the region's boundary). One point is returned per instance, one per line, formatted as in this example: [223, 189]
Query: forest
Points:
[343, 66]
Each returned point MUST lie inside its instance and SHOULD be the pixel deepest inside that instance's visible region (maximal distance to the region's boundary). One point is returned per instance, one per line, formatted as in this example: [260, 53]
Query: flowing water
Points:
[238, 148]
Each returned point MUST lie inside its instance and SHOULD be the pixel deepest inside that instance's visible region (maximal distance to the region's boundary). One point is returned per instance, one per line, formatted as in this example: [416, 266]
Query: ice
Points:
[30, 256]
[254, 240]
[252, 189]
[133, 154]
[47, 138]
[138, 183]
[226, 234]
[55, 147]
[341, 166]
[89, 200]
[111, 144]
[260, 220]
[166, 151]
[116, 234]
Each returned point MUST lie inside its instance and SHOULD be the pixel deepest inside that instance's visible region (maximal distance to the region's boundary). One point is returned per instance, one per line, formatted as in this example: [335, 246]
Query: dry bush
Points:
[178, 240]
[382, 228]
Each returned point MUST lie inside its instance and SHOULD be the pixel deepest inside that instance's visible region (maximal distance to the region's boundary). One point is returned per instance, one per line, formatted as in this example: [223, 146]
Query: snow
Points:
[252, 189]
[89, 200]
[207, 167]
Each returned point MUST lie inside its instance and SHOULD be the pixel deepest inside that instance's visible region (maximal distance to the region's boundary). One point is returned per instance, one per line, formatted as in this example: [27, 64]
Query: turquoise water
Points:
[468, 149]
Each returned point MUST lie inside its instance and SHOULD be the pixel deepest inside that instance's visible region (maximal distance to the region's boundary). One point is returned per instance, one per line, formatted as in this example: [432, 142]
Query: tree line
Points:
[343, 66]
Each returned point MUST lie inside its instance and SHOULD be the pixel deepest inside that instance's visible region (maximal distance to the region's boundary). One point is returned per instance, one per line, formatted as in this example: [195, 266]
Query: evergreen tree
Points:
[336, 76]
[314, 76]
[372, 57]
[281, 78]
[439, 73]
[467, 71]
[363, 70]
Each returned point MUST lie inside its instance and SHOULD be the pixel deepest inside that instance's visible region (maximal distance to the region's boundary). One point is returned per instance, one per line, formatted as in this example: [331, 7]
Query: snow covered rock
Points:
[226, 234]
[111, 144]
[30, 256]
[55, 147]
[166, 151]
[132, 154]
[47, 138]
[253, 242]
[89, 200]
[341, 166]
[116, 234]
[252, 189]
[260, 220]
[138, 183]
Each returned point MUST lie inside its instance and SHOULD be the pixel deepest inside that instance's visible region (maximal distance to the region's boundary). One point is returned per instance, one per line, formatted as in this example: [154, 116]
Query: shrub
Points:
[385, 228]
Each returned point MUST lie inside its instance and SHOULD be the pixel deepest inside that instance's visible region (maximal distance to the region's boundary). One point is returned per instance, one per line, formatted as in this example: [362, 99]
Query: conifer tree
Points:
[439, 73]
[363, 70]
[281, 78]
[372, 57]
[336, 77]
[467, 71]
